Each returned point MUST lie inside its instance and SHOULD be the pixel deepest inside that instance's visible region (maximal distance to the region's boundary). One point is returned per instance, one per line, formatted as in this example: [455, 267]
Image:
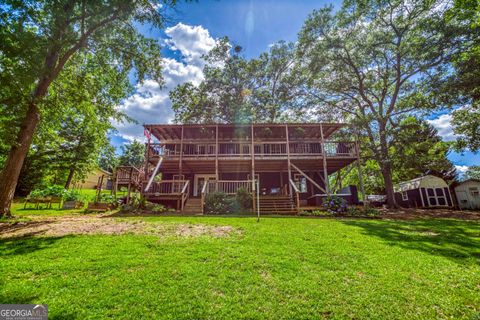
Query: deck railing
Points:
[128, 174]
[228, 186]
[166, 187]
[296, 194]
[261, 149]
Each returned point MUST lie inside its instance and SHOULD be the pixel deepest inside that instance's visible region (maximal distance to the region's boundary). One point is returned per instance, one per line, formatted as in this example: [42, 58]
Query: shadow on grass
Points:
[25, 244]
[453, 239]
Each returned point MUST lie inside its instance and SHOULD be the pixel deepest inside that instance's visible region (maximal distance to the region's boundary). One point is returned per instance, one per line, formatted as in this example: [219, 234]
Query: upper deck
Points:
[198, 144]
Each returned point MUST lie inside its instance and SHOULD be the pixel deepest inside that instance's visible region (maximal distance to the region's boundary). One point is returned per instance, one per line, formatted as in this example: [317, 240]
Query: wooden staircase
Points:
[277, 205]
[193, 206]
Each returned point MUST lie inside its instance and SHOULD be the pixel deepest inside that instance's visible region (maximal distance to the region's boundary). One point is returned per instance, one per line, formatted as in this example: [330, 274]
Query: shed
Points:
[423, 192]
[92, 178]
[468, 194]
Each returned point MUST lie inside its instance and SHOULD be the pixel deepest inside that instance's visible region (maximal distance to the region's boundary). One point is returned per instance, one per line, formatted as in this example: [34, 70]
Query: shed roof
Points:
[427, 181]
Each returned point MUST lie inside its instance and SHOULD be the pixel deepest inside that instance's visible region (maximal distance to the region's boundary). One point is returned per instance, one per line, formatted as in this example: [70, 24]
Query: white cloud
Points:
[461, 169]
[150, 103]
[191, 41]
[444, 127]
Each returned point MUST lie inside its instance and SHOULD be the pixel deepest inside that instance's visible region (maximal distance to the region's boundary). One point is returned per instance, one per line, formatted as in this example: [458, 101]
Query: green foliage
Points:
[108, 198]
[50, 191]
[316, 213]
[155, 207]
[472, 172]
[362, 212]
[236, 90]
[373, 62]
[244, 199]
[133, 154]
[220, 203]
[335, 205]
[73, 195]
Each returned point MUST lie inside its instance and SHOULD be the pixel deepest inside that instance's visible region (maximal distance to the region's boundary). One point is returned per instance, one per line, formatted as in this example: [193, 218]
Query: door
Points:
[436, 197]
[199, 181]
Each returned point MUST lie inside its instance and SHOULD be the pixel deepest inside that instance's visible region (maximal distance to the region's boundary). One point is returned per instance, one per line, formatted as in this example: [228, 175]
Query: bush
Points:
[72, 195]
[108, 198]
[316, 213]
[363, 212]
[335, 204]
[155, 207]
[220, 203]
[50, 191]
[244, 199]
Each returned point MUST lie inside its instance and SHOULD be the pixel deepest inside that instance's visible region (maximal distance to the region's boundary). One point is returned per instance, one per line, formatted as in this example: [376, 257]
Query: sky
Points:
[254, 25]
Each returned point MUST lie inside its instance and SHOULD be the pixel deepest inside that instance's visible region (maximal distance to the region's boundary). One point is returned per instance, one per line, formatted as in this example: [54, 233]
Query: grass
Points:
[278, 268]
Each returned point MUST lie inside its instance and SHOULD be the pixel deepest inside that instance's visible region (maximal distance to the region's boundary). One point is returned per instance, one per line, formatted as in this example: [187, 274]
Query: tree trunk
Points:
[70, 177]
[18, 152]
[387, 178]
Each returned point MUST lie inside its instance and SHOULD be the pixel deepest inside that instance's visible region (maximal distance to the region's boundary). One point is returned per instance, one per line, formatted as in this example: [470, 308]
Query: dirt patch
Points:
[409, 214]
[96, 225]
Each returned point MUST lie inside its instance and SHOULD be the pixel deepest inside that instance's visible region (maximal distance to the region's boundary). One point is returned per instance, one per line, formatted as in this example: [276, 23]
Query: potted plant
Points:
[107, 202]
[72, 199]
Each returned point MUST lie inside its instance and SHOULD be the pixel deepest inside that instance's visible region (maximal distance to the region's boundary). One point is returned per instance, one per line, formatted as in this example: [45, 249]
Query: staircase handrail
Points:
[297, 194]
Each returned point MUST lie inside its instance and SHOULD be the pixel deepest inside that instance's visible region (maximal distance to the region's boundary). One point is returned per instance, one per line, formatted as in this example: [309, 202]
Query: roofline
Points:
[309, 124]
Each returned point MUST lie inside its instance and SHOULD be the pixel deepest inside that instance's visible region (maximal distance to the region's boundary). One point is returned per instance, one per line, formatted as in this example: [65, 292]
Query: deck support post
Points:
[288, 160]
[360, 175]
[180, 161]
[216, 153]
[252, 177]
[147, 160]
[324, 156]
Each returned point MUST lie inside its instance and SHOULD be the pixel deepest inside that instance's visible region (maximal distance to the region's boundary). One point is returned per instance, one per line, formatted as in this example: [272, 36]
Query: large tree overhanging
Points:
[39, 38]
[370, 63]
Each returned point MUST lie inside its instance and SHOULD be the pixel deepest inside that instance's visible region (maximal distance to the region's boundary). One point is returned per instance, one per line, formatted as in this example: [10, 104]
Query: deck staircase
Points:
[193, 206]
[277, 205]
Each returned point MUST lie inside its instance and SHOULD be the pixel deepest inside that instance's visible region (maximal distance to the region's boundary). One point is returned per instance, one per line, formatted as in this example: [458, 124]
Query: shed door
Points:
[436, 197]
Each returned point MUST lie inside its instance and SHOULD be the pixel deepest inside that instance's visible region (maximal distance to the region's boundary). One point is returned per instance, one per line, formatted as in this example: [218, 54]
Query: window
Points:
[300, 182]
[404, 196]
[474, 191]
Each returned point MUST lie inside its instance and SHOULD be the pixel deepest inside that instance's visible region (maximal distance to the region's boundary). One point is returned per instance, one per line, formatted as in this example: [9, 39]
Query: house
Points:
[92, 179]
[285, 166]
[468, 194]
[423, 192]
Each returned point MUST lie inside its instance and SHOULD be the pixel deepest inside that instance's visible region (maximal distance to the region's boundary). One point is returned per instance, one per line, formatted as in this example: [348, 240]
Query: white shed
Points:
[468, 194]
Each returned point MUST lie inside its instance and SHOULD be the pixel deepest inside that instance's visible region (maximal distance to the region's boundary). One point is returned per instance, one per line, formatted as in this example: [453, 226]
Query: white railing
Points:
[185, 193]
[297, 194]
[228, 186]
[167, 187]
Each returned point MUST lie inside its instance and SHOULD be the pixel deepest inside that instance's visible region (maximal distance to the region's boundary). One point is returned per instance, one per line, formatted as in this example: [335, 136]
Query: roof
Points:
[207, 131]
[427, 181]
[468, 181]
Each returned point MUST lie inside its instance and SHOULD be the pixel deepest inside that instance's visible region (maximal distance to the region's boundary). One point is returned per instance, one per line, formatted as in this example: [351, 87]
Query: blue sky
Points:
[253, 25]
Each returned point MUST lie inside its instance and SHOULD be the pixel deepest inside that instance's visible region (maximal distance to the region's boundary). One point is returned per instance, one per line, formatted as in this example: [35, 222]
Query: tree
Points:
[463, 86]
[108, 159]
[370, 61]
[236, 90]
[39, 39]
[133, 154]
[472, 172]
[416, 150]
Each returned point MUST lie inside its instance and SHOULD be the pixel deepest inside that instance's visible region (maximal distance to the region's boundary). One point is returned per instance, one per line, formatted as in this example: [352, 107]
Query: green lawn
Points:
[278, 268]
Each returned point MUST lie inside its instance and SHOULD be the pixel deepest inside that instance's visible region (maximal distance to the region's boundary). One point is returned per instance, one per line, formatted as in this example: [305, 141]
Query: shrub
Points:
[244, 199]
[316, 213]
[50, 191]
[220, 203]
[108, 198]
[155, 207]
[335, 204]
[363, 211]
[72, 195]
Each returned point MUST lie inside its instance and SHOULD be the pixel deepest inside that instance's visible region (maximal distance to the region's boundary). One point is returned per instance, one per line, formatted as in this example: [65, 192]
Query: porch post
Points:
[147, 157]
[216, 154]
[180, 163]
[360, 175]
[324, 156]
[288, 160]
[252, 176]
